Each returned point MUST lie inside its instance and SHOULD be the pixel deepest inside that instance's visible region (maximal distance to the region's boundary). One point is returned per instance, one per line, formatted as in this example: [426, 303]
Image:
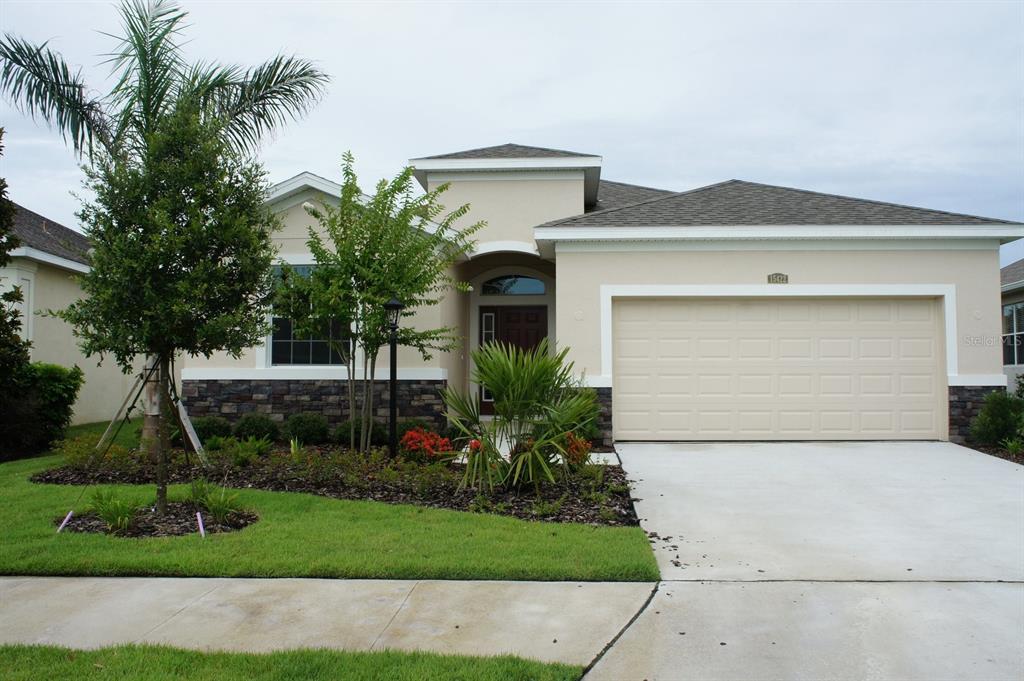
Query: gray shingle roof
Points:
[1012, 273]
[617, 194]
[736, 202]
[35, 231]
[509, 150]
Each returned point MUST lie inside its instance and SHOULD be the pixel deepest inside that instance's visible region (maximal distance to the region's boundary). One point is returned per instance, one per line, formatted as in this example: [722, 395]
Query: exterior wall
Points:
[52, 288]
[512, 205]
[1013, 372]
[280, 399]
[964, 404]
[973, 273]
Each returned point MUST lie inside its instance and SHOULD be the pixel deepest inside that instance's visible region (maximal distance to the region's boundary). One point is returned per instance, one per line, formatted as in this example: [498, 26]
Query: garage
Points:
[778, 369]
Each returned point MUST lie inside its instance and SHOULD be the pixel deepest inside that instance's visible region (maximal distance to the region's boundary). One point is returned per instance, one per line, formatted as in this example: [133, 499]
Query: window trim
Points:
[1016, 333]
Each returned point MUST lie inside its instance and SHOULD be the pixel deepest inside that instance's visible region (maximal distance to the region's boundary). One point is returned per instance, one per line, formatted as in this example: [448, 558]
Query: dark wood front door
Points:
[524, 326]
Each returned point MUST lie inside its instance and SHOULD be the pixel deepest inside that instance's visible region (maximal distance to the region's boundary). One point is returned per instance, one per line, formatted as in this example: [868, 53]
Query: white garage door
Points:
[778, 369]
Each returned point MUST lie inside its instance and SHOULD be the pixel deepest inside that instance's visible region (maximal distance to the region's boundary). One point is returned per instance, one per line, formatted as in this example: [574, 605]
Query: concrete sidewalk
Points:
[549, 621]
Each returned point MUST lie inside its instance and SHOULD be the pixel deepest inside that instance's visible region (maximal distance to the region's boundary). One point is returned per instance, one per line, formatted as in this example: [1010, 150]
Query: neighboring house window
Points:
[1013, 334]
[288, 348]
[513, 285]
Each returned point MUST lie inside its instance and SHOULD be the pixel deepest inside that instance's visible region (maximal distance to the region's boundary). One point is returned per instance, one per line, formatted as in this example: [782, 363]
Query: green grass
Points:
[159, 663]
[302, 535]
[127, 436]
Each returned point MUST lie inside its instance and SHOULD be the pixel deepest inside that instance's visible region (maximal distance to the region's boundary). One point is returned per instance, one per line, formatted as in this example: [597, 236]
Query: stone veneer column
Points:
[964, 404]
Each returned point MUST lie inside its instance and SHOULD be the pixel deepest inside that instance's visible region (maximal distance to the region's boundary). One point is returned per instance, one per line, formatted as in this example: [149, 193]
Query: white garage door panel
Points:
[727, 369]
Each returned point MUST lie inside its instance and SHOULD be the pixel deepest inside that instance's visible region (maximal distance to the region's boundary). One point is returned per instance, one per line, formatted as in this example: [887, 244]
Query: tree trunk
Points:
[365, 415]
[162, 438]
[370, 386]
[151, 406]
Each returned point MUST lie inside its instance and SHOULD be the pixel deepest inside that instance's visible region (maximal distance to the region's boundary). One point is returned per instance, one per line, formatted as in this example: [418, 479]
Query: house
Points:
[735, 311]
[45, 266]
[1012, 288]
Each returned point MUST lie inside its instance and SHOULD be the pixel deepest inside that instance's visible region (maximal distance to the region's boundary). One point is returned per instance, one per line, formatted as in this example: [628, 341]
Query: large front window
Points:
[290, 348]
[1013, 334]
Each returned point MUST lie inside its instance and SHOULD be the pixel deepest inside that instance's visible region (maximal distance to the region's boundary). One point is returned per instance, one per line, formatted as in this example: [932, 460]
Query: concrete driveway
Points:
[827, 561]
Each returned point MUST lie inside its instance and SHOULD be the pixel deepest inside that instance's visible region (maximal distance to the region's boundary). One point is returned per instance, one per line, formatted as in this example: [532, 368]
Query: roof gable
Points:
[1012, 274]
[737, 202]
[510, 150]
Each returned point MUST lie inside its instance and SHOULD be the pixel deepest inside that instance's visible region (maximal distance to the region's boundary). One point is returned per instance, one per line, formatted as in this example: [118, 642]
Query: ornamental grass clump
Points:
[115, 512]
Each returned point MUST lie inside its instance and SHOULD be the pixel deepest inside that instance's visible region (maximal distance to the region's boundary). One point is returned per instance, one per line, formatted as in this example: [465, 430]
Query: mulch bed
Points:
[179, 520]
[999, 452]
[564, 502]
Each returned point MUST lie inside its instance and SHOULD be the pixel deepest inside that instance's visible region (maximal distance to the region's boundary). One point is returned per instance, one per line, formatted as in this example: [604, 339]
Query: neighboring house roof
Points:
[617, 194]
[509, 150]
[1012, 276]
[737, 202]
[42, 234]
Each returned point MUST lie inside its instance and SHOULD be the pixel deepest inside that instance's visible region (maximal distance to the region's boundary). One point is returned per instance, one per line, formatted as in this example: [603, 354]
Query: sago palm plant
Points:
[538, 401]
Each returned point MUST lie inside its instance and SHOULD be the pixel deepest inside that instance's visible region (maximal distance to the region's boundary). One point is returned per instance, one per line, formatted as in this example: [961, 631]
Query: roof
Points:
[737, 202]
[617, 194]
[35, 231]
[510, 150]
[1011, 277]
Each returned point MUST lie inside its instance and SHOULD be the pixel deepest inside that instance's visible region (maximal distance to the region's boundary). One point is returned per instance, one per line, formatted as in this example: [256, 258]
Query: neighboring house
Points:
[45, 265]
[1012, 279]
[736, 311]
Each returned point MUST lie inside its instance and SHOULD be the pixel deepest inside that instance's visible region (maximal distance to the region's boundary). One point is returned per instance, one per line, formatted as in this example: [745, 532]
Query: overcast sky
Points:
[917, 103]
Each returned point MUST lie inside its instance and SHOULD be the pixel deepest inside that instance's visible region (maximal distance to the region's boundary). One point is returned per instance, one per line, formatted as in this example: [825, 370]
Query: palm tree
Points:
[152, 80]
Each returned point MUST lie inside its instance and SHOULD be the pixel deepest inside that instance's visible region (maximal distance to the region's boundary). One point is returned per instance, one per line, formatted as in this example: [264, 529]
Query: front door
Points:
[523, 326]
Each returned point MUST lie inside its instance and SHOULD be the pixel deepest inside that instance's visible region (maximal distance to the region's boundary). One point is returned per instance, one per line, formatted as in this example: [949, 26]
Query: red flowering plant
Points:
[425, 446]
[576, 450]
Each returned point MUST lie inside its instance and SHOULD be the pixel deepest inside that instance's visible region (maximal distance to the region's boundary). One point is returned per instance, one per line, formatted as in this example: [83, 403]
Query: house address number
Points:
[778, 278]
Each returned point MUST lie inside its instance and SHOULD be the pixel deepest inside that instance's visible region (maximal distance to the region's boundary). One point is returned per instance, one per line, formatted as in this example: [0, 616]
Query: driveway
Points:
[827, 561]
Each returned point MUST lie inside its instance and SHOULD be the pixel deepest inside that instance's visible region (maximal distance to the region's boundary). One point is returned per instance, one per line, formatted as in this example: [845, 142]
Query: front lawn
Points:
[158, 663]
[302, 535]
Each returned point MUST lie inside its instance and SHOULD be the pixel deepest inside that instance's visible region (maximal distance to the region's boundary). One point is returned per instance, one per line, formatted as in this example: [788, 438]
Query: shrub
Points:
[245, 452]
[42, 411]
[217, 501]
[1013, 445]
[999, 418]
[576, 450]
[80, 454]
[424, 446]
[378, 434]
[309, 429]
[216, 443]
[211, 426]
[256, 426]
[116, 513]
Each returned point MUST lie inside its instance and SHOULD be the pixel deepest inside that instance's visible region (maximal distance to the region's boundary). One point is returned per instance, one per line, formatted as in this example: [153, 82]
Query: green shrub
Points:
[999, 418]
[247, 451]
[80, 454]
[116, 513]
[217, 501]
[257, 426]
[1013, 445]
[309, 429]
[378, 434]
[211, 426]
[217, 443]
[41, 412]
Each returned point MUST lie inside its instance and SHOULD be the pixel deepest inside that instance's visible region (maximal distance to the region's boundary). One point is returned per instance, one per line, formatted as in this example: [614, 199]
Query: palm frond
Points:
[265, 97]
[148, 63]
[40, 83]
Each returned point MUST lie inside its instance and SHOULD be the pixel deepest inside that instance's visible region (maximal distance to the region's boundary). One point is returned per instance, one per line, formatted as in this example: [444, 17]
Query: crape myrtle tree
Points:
[368, 250]
[181, 259]
[152, 78]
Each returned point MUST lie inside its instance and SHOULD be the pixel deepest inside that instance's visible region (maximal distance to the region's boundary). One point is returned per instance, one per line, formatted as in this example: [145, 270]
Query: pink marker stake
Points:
[66, 519]
[199, 519]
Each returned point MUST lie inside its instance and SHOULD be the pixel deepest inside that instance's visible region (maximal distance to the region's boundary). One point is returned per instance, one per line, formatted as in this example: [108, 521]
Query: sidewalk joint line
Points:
[848, 581]
[627, 625]
[179, 611]
[394, 615]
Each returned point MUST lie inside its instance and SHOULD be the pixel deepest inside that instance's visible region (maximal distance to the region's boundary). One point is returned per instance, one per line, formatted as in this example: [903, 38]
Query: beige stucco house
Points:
[46, 265]
[736, 311]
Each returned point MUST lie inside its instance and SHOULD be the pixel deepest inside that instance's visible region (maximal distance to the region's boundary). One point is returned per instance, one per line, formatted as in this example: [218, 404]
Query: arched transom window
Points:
[513, 285]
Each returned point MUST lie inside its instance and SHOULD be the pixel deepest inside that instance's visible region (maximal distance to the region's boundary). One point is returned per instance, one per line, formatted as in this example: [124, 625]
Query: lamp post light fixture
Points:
[394, 309]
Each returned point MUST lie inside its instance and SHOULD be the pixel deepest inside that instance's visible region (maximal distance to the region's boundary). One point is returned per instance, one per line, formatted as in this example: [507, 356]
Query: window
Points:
[1013, 334]
[288, 348]
[513, 285]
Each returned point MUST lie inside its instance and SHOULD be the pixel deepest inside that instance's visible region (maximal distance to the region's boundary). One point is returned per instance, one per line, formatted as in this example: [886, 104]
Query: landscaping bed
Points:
[1000, 452]
[598, 495]
[179, 520]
